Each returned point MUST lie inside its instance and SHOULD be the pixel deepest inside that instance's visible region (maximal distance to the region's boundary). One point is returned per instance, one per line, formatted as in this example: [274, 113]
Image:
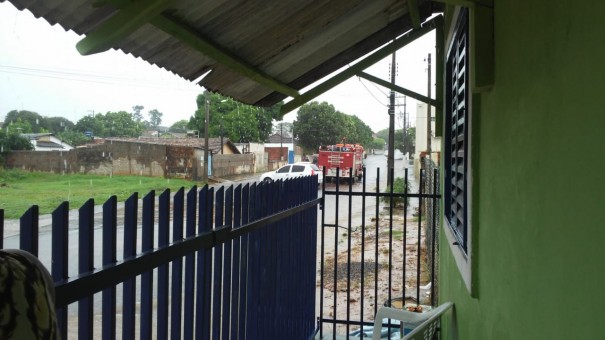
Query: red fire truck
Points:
[347, 157]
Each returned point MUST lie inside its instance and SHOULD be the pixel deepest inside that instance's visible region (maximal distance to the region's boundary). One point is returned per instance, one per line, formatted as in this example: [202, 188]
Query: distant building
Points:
[46, 142]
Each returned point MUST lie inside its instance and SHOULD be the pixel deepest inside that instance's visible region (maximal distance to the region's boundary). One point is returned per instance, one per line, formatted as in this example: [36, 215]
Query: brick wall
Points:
[128, 158]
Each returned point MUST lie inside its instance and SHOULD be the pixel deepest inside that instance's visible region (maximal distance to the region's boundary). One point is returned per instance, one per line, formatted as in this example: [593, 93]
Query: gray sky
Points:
[41, 71]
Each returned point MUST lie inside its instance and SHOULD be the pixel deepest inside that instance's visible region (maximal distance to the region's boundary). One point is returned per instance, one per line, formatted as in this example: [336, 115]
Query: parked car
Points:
[293, 170]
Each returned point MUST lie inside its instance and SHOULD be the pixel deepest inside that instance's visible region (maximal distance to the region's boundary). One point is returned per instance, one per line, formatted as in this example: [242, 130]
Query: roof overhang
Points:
[254, 51]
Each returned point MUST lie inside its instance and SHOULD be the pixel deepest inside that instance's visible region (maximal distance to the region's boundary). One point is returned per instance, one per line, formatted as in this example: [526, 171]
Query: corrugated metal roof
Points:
[296, 42]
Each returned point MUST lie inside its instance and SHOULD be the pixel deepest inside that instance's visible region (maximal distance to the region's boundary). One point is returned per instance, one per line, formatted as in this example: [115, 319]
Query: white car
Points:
[293, 170]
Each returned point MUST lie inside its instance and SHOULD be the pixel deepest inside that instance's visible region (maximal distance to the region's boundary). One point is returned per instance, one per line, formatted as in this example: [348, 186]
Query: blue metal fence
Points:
[231, 263]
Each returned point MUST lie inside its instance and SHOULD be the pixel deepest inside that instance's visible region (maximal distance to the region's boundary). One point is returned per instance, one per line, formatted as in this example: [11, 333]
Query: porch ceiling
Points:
[255, 51]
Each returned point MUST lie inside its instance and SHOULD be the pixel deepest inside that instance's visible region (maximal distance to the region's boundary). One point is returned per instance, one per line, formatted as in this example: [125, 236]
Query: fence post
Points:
[86, 248]
[147, 278]
[60, 257]
[130, 247]
[28, 238]
[110, 223]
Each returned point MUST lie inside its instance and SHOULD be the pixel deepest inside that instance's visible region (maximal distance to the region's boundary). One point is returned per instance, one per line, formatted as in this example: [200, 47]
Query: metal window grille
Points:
[456, 134]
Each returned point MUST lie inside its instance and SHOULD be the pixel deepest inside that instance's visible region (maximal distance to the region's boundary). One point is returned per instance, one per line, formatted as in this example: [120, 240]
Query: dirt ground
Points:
[370, 286]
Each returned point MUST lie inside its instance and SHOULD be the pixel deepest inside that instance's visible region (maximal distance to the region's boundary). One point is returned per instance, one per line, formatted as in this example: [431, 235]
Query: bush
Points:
[399, 186]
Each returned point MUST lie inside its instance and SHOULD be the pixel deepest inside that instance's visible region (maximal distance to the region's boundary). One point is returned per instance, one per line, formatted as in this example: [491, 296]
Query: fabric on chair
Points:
[27, 298]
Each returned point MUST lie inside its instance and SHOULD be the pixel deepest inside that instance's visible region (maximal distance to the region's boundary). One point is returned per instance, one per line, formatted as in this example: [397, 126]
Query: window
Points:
[284, 170]
[456, 133]
[458, 111]
[298, 168]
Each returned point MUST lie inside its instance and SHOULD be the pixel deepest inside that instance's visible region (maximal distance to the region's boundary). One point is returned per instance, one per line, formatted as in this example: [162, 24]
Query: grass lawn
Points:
[19, 190]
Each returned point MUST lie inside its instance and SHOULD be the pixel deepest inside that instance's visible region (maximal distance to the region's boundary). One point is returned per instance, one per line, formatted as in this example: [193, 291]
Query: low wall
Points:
[127, 158]
[224, 165]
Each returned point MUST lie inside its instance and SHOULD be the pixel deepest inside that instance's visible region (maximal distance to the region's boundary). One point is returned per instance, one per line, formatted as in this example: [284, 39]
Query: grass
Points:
[19, 190]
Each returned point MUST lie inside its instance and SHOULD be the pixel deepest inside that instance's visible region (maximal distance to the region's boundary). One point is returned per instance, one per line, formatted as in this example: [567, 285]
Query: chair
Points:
[424, 324]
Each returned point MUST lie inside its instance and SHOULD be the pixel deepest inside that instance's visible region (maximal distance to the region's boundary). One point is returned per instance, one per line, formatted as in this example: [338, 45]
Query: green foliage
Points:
[27, 121]
[404, 144]
[377, 143]
[19, 190]
[155, 118]
[58, 124]
[12, 141]
[137, 116]
[399, 186]
[73, 137]
[232, 119]
[180, 126]
[320, 124]
[111, 124]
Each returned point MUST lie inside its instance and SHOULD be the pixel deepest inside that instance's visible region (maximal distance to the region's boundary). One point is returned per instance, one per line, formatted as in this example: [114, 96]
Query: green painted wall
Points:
[539, 148]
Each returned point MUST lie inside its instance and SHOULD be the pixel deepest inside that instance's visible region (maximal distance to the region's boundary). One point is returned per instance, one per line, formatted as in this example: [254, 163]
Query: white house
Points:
[46, 142]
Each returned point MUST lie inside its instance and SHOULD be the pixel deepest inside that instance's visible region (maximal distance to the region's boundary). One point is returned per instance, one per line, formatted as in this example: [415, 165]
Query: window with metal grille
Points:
[457, 132]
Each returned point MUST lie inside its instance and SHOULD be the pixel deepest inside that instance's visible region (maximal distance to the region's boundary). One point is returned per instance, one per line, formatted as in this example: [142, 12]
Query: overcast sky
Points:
[41, 71]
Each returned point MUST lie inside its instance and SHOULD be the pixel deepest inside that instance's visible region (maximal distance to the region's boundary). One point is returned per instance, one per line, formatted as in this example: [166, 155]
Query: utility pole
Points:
[405, 127]
[428, 113]
[206, 148]
[390, 158]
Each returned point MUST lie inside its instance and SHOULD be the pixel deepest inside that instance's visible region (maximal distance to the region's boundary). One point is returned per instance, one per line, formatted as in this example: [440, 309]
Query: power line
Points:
[64, 74]
[370, 92]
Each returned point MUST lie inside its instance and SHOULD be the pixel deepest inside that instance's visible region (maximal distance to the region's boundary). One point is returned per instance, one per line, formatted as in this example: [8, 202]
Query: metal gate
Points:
[373, 249]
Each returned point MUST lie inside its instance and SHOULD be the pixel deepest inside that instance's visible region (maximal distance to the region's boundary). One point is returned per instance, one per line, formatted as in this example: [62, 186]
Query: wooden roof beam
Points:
[128, 19]
[400, 89]
[436, 22]
[135, 14]
[414, 12]
[189, 36]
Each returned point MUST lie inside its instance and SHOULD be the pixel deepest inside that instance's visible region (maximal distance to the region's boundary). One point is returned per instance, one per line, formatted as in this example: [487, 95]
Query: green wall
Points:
[538, 207]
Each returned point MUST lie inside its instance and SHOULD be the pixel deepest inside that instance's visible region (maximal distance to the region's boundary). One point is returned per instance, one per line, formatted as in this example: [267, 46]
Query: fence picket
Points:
[28, 233]
[163, 239]
[86, 248]
[189, 265]
[204, 265]
[147, 278]
[218, 266]
[177, 267]
[60, 256]
[129, 286]
[227, 304]
[110, 238]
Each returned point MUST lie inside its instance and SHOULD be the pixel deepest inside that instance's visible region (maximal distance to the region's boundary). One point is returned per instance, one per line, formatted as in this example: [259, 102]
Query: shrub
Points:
[399, 186]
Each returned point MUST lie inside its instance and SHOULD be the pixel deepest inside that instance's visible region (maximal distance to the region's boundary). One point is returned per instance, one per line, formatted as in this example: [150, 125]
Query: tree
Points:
[34, 122]
[91, 124]
[73, 137]
[286, 128]
[155, 118]
[320, 124]
[377, 144]
[137, 116]
[111, 124]
[12, 141]
[407, 144]
[232, 119]
[180, 126]
[57, 125]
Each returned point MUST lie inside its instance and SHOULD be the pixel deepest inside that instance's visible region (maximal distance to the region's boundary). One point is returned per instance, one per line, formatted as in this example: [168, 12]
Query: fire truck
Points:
[347, 157]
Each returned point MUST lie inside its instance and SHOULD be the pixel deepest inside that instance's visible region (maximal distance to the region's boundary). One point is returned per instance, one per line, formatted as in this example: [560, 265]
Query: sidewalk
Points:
[234, 178]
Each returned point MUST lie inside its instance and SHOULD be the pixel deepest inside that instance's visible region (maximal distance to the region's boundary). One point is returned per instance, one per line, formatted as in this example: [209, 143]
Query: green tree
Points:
[12, 141]
[137, 116]
[231, 119]
[320, 124]
[33, 121]
[377, 144]
[362, 133]
[155, 118]
[91, 124]
[73, 137]
[111, 124]
[407, 144]
[180, 126]
[57, 125]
